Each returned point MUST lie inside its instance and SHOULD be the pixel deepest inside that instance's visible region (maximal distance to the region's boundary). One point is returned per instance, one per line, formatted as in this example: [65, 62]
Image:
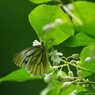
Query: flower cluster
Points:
[55, 57]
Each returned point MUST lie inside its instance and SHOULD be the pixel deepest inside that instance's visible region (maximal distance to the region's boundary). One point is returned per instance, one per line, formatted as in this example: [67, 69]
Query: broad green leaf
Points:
[39, 1]
[18, 75]
[80, 39]
[46, 14]
[87, 52]
[84, 12]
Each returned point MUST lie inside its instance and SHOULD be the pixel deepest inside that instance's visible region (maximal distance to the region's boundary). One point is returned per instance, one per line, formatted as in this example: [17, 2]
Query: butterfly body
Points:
[33, 59]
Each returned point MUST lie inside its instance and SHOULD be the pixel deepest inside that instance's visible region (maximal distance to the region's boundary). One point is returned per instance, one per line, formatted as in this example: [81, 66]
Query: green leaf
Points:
[51, 91]
[56, 90]
[46, 14]
[39, 1]
[80, 39]
[84, 11]
[90, 65]
[71, 89]
[67, 91]
[18, 75]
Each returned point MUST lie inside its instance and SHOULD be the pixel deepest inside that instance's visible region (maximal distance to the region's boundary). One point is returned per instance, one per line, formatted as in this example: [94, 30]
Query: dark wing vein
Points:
[33, 59]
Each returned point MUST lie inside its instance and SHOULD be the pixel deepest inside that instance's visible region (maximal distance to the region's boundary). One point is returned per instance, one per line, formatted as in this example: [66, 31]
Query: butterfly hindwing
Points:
[33, 59]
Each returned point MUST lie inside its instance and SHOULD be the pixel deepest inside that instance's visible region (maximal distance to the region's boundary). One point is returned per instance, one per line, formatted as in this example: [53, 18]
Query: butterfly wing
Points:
[34, 59]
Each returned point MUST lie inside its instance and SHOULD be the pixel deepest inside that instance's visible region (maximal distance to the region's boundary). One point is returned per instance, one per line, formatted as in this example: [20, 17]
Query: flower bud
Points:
[86, 80]
[55, 57]
[78, 63]
[75, 56]
[89, 59]
[36, 43]
[84, 85]
[58, 21]
[80, 75]
[70, 73]
[73, 93]
[66, 85]
[56, 61]
[66, 78]
[59, 75]
[48, 77]
[48, 28]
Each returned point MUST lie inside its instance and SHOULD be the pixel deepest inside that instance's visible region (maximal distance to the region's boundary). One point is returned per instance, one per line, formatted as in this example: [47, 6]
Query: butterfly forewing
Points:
[34, 59]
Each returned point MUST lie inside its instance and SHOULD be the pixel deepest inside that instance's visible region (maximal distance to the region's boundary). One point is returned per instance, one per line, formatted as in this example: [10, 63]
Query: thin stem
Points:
[77, 66]
[77, 86]
[90, 82]
[68, 67]
[82, 68]
[79, 82]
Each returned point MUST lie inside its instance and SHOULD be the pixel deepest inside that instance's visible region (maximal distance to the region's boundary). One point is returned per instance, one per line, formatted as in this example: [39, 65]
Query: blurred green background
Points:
[17, 34]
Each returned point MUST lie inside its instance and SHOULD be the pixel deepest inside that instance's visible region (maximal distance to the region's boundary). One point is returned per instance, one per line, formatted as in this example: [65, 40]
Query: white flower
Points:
[48, 28]
[59, 75]
[71, 7]
[84, 85]
[89, 59]
[57, 61]
[58, 22]
[59, 53]
[75, 56]
[70, 73]
[67, 78]
[73, 93]
[48, 77]
[55, 57]
[80, 74]
[78, 63]
[55, 67]
[55, 53]
[66, 85]
[36, 43]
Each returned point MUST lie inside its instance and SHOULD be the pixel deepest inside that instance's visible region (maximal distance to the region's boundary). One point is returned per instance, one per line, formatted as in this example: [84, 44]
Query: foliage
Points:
[73, 25]
[18, 75]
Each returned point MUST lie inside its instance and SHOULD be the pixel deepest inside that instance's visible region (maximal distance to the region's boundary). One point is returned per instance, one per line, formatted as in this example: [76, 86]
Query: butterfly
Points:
[33, 59]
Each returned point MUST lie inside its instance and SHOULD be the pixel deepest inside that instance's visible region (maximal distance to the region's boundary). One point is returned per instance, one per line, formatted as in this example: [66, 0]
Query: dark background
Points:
[17, 34]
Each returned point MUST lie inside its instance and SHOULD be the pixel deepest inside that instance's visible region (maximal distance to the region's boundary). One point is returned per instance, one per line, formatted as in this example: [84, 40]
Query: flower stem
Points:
[77, 66]
[82, 68]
